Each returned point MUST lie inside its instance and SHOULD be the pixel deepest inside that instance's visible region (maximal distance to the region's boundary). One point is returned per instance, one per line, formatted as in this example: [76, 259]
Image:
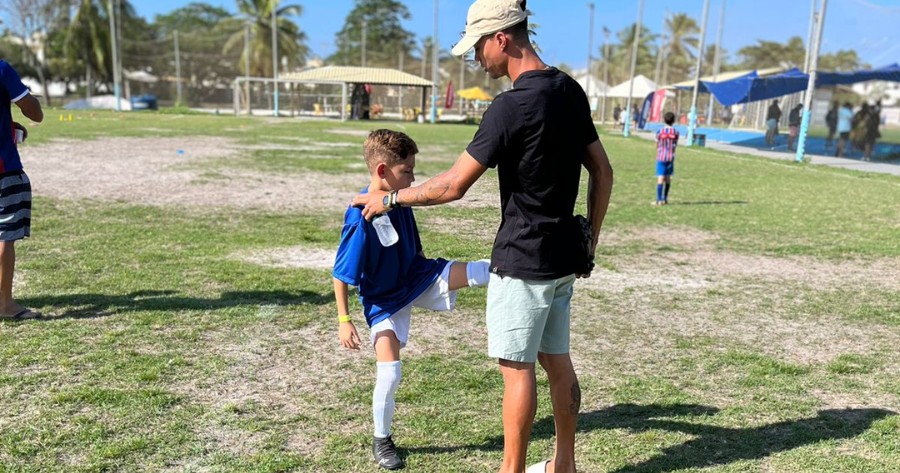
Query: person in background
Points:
[773, 115]
[666, 141]
[831, 122]
[844, 126]
[15, 187]
[859, 127]
[794, 120]
[872, 120]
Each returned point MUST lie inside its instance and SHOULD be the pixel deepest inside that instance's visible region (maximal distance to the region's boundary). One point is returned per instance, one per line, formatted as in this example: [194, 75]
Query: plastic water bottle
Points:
[385, 230]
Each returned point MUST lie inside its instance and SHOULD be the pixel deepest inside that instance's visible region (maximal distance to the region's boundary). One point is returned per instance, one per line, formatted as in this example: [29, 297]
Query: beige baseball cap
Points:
[488, 17]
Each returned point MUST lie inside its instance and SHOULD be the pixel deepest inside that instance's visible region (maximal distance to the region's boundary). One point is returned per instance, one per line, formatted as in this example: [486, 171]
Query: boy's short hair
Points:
[389, 147]
[669, 118]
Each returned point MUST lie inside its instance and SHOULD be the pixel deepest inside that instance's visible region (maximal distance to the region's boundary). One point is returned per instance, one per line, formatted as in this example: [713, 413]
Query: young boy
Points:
[391, 279]
[666, 141]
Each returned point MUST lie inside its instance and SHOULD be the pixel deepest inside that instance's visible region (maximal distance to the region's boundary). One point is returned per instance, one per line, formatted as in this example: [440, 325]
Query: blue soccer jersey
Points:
[389, 278]
[12, 91]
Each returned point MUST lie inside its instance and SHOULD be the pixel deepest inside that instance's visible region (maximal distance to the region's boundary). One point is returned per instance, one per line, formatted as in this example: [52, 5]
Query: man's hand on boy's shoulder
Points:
[372, 203]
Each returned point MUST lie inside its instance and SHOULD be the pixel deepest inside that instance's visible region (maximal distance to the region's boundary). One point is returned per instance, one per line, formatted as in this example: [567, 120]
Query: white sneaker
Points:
[539, 467]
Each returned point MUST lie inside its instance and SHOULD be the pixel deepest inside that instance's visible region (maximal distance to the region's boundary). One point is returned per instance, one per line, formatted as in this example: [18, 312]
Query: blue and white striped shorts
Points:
[15, 206]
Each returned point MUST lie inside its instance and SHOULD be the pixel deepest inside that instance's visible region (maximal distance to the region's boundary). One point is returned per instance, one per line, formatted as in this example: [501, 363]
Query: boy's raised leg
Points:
[472, 274]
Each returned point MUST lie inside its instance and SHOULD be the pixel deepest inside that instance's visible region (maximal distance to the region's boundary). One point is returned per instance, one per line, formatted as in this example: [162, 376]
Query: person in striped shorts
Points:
[15, 188]
[666, 141]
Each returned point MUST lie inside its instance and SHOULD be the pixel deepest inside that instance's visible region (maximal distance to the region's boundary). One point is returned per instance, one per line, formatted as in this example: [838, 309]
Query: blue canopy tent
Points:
[751, 87]
[889, 73]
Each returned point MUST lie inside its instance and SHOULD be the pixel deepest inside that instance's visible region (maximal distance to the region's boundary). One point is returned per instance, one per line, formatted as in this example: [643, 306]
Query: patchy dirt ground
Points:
[698, 266]
[165, 171]
[704, 292]
[668, 294]
[168, 171]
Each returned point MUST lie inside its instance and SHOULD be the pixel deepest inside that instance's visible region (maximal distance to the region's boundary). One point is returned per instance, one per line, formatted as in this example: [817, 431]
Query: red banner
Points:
[659, 100]
[448, 99]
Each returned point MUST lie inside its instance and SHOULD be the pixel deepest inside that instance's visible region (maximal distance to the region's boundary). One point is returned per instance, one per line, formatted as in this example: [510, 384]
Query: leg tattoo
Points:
[576, 399]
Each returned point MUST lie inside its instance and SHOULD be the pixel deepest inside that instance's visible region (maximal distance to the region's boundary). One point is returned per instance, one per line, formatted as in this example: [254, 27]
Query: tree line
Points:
[70, 41]
[671, 56]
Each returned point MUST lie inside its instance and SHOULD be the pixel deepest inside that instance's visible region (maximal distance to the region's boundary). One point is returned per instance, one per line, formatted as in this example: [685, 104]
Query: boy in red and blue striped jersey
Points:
[666, 141]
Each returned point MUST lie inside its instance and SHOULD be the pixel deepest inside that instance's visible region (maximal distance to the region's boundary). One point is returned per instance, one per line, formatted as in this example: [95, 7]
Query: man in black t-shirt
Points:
[538, 135]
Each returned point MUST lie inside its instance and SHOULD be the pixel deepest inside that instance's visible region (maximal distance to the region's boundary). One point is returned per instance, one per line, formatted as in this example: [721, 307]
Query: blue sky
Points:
[869, 26]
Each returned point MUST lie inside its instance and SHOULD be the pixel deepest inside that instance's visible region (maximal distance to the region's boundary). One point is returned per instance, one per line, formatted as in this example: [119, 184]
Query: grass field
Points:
[183, 262]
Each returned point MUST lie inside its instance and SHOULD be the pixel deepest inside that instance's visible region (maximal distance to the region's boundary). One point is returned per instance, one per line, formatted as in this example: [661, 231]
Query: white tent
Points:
[593, 87]
[141, 76]
[642, 87]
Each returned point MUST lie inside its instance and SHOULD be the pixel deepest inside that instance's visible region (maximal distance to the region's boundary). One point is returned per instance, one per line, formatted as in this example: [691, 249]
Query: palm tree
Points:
[709, 60]
[603, 62]
[291, 41]
[843, 60]
[532, 32]
[425, 51]
[620, 54]
[773, 54]
[88, 40]
[386, 39]
[682, 33]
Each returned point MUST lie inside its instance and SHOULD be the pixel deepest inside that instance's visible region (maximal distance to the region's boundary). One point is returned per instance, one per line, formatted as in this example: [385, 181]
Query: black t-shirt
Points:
[794, 117]
[773, 113]
[831, 118]
[536, 134]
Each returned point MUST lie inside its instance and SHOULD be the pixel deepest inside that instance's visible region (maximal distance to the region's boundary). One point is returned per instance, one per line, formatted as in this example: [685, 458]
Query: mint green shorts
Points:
[525, 317]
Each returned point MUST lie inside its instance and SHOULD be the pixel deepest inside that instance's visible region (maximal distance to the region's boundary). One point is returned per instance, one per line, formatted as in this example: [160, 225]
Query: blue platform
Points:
[754, 139]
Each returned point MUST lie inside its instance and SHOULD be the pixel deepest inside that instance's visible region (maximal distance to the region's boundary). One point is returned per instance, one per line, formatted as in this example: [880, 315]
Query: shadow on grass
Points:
[84, 306]
[713, 445]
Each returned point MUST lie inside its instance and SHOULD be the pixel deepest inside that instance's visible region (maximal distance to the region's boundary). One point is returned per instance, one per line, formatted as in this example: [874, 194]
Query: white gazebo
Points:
[642, 87]
[593, 87]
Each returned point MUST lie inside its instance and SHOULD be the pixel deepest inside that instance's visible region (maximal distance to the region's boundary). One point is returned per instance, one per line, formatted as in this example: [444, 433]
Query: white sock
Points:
[386, 382]
[478, 272]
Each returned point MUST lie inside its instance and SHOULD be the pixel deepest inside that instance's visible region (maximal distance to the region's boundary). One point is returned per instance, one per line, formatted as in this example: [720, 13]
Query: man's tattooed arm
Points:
[445, 187]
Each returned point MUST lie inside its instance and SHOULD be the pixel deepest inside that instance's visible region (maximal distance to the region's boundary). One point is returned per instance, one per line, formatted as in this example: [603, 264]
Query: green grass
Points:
[168, 353]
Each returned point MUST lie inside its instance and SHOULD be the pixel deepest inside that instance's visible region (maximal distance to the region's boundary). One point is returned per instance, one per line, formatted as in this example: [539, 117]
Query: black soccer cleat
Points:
[386, 453]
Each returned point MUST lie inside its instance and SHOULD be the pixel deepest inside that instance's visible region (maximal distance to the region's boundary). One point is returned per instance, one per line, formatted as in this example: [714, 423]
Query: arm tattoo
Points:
[576, 399]
[433, 191]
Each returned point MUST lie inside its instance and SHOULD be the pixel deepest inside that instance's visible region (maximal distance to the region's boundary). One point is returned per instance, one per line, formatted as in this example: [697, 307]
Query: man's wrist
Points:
[390, 200]
[343, 318]
[393, 199]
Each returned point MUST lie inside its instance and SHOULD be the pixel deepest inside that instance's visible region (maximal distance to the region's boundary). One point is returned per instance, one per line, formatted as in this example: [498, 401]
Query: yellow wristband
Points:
[343, 318]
